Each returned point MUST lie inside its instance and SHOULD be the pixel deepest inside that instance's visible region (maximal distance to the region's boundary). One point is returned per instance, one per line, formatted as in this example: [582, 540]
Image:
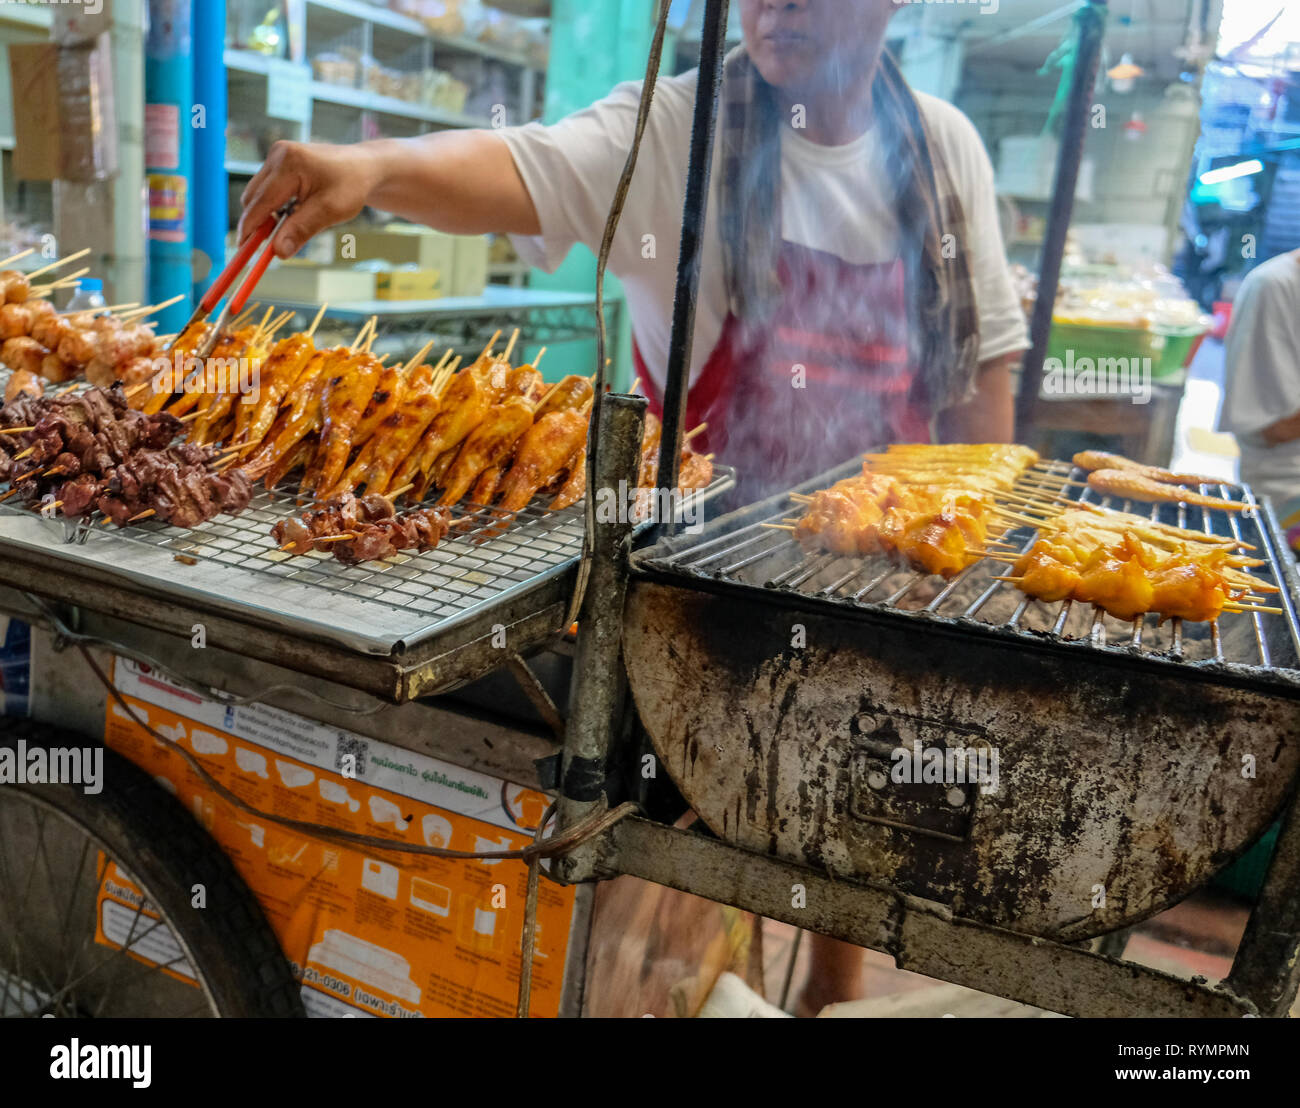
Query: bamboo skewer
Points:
[60, 262]
[18, 257]
[398, 492]
[510, 346]
[695, 431]
[149, 309]
[16, 430]
[107, 308]
[540, 354]
[361, 335]
[487, 350]
[142, 515]
[418, 356]
[244, 316]
[316, 322]
[61, 283]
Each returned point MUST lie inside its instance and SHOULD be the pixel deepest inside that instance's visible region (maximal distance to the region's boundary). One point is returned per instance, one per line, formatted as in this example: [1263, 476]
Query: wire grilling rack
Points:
[744, 550]
[233, 564]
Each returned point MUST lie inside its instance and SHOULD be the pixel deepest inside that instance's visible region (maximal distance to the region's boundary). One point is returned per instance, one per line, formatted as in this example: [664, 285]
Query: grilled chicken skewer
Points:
[488, 445]
[575, 485]
[344, 400]
[466, 402]
[396, 436]
[279, 373]
[546, 448]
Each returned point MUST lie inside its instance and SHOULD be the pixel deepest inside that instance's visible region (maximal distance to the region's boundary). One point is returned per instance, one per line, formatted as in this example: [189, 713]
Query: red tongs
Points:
[270, 226]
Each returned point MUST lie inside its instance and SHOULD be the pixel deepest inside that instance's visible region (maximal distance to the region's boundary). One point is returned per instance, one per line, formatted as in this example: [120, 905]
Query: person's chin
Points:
[785, 68]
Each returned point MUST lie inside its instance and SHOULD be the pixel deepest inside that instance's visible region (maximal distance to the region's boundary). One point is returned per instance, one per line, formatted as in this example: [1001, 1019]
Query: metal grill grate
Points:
[758, 556]
[471, 570]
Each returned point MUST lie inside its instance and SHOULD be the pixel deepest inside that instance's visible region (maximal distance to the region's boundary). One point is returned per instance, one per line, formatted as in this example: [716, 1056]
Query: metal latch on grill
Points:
[918, 774]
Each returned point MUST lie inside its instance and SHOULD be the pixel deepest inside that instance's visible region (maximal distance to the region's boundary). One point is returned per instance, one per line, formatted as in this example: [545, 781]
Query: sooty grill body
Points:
[1127, 773]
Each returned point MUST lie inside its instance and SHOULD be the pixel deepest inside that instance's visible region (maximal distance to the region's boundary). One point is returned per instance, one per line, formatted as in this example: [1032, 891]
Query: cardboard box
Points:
[462, 260]
[399, 244]
[469, 275]
[408, 284]
[313, 284]
[66, 127]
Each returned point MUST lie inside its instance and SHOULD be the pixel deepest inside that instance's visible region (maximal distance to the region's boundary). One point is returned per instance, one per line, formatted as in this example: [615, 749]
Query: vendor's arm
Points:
[989, 416]
[461, 182]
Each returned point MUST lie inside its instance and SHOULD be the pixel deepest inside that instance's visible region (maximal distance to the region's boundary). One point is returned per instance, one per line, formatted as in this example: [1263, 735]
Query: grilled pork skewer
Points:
[1133, 486]
[1098, 459]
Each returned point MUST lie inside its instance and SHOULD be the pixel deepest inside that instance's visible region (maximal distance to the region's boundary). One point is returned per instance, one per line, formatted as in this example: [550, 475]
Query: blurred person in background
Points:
[1262, 402]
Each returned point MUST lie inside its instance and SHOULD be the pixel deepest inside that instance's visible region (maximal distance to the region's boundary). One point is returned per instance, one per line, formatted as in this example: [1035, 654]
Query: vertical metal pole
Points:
[1266, 968]
[1091, 20]
[598, 679]
[712, 47]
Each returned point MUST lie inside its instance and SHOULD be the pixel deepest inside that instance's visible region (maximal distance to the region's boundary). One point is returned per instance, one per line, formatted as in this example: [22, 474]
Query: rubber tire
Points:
[151, 833]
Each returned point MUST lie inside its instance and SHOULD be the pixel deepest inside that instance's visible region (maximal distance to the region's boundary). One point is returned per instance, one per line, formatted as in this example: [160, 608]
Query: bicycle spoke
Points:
[17, 916]
[120, 955]
[115, 958]
[64, 938]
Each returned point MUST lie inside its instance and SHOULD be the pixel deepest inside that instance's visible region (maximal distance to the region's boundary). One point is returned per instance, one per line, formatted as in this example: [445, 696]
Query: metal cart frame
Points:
[326, 682]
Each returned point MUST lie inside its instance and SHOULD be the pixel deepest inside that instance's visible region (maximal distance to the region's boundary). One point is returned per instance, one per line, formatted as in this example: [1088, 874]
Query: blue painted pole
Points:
[169, 157]
[210, 187]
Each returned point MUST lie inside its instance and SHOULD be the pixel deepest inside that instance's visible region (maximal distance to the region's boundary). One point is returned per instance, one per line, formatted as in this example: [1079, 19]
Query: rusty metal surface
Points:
[922, 936]
[1267, 965]
[599, 688]
[1120, 786]
[434, 665]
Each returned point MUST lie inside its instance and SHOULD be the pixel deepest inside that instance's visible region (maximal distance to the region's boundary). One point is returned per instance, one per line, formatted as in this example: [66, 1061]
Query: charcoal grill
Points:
[776, 685]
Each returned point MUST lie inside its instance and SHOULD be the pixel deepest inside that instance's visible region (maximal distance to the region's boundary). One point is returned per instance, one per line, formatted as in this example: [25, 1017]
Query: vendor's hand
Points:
[332, 184]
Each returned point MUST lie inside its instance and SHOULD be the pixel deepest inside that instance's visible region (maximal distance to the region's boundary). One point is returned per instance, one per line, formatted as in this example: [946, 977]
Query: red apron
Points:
[828, 376]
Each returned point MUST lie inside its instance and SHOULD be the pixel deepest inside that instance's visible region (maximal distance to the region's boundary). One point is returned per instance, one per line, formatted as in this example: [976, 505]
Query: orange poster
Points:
[386, 936]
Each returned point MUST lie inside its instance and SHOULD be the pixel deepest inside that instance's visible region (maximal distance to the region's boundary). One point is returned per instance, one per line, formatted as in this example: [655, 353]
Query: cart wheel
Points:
[55, 845]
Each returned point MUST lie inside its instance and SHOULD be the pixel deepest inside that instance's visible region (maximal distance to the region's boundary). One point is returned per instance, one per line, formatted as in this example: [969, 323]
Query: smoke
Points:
[827, 371]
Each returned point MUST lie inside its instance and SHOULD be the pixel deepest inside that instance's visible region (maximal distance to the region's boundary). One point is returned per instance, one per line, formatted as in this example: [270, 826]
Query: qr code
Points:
[358, 748]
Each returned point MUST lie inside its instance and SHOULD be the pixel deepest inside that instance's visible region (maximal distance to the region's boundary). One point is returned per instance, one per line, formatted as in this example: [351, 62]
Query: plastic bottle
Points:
[89, 295]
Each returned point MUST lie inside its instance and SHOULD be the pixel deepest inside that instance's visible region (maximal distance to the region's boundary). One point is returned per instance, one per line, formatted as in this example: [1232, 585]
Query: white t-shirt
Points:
[1262, 355]
[832, 201]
